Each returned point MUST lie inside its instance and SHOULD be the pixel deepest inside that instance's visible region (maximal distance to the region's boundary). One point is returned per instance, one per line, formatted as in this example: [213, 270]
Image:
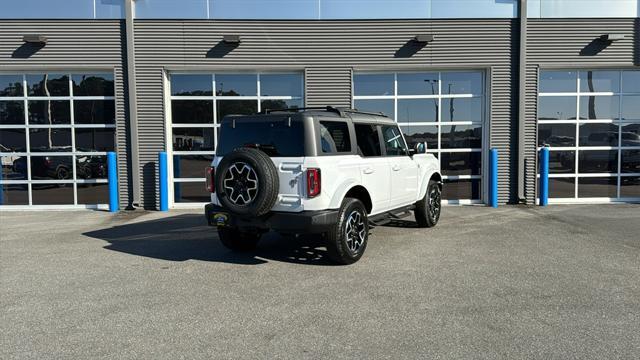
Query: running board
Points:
[387, 217]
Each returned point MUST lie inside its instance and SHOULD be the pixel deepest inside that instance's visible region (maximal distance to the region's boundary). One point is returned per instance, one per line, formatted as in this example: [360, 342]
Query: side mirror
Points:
[420, 148]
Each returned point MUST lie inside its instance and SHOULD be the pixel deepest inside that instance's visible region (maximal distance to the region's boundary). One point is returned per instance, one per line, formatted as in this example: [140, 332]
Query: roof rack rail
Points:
[338, 110]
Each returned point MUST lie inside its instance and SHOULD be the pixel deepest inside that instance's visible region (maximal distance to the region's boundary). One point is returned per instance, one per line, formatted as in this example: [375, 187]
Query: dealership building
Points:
[81, 78]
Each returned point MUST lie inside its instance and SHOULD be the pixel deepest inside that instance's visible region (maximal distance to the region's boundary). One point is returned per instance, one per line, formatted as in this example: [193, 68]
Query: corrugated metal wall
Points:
[570, 43]
[74, 45]
[327, 51]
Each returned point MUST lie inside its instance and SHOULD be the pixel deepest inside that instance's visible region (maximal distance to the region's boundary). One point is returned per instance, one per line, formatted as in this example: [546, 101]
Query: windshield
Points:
[278, 137]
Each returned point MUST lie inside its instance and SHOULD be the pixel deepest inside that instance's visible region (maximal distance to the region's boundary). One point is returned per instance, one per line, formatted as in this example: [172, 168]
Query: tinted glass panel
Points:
[52, 194]
[373, 84]
[631, 135]
[378, 106]
[418, 110]
[556, 134]
[47, 9]
[190, 166]
[631, 161]
[190, 192]
[13, 140]
[95, 139]
[236, 85]
[598, 161]
[92, 84]
[275, 137]
[562, 162]
[588, 8]
[11, 112]
[192, 85]
[48, 85]
[631, 81]
[461, 136]
[14, 194]
[91, 167]
[50, 139]
[418, 84]
[264, 9]
[461, 189]
[598, 187]
[14, 167]
[94, 111]
[334, 137]
[192, 111]
[91, 194]
[562, 187]
[455, 9]
[631, 108]
[462, 83]
[393, 142]
[11, 85]
[49, 112]
[378, 9]
[51, 168]
[558, 81]
[236, 107]
[630, 187]
[599, 107]
[598, 135]
[368, 140]
[468, 109]
[600, 81]
[110, 9]
[193, 139]
[171, 9]
[281, 85]
[419, 134]
[280, 104]
[557, 108]
[468, 163]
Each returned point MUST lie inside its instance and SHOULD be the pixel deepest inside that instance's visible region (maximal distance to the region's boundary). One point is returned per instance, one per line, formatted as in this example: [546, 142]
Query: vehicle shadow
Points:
[187, 237]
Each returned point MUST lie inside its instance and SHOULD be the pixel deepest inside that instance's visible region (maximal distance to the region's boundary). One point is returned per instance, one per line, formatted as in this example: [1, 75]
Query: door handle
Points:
[368, 171]
[396, 168]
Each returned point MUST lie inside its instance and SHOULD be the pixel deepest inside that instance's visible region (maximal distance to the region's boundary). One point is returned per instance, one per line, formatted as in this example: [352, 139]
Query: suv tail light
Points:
[210, 174]
[313, 182]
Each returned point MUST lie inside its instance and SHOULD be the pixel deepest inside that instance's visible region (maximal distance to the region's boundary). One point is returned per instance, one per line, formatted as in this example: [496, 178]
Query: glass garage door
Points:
[55, 131]
[196, 110]
[444, 109]
[591, 122]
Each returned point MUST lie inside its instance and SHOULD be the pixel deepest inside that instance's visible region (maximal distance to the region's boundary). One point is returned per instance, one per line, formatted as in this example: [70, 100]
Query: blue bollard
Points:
[544, 176]
[163, 180]
[112, 171]
[493, 189]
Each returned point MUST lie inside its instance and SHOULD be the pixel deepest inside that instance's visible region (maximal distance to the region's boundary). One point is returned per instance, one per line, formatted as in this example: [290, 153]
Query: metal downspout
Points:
[133, 105]
[522, 92]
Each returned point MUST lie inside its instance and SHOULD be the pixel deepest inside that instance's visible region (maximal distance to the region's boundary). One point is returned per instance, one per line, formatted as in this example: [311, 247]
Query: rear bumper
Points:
[300, 222]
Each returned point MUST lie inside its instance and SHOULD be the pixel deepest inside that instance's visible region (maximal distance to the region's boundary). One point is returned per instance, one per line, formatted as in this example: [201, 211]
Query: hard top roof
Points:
[329, 111]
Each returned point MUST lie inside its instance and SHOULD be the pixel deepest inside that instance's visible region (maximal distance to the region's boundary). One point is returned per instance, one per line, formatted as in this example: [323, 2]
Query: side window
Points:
[368, 140]
[334, 137]
[393, 141]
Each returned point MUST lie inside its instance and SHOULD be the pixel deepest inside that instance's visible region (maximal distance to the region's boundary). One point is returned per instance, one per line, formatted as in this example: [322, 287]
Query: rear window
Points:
[278, 137]
[334, 137]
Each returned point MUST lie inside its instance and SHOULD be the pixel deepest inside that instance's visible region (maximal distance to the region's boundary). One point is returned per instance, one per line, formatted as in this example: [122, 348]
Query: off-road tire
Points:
[236, 240]
[340, 247]
[428, 209]
[267, 177]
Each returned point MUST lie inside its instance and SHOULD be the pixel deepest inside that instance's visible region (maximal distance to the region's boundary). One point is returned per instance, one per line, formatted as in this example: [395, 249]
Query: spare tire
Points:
[247, 182]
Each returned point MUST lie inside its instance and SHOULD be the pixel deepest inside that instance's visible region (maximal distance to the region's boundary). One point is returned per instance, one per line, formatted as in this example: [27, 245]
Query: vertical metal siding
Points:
[568, 43]
[325, 51]
[73, 45]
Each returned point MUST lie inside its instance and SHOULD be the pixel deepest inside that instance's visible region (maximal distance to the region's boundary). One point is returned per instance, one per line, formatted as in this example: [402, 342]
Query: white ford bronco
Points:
[329, 171]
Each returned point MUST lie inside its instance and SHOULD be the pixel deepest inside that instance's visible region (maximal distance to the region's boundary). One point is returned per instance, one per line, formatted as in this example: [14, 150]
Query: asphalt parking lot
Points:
[514, 282]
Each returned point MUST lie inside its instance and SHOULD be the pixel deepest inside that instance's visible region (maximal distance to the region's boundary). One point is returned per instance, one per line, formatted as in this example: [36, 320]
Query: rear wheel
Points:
[428, 208]
[237, 240]
[347, 239]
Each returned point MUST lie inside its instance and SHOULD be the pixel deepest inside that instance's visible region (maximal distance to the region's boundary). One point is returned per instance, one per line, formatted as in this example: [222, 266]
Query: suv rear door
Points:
[403, 170]
[374, 167]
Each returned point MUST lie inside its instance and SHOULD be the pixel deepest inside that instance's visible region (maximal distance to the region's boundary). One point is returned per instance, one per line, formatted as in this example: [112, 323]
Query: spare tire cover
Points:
[247, 182]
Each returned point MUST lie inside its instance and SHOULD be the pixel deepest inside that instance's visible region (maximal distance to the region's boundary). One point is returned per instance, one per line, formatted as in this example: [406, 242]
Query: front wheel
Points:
[236, 240]
[428, 208]
[347, 239]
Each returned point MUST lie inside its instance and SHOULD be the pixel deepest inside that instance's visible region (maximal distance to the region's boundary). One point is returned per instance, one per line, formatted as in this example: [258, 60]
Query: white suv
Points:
[329, 171]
